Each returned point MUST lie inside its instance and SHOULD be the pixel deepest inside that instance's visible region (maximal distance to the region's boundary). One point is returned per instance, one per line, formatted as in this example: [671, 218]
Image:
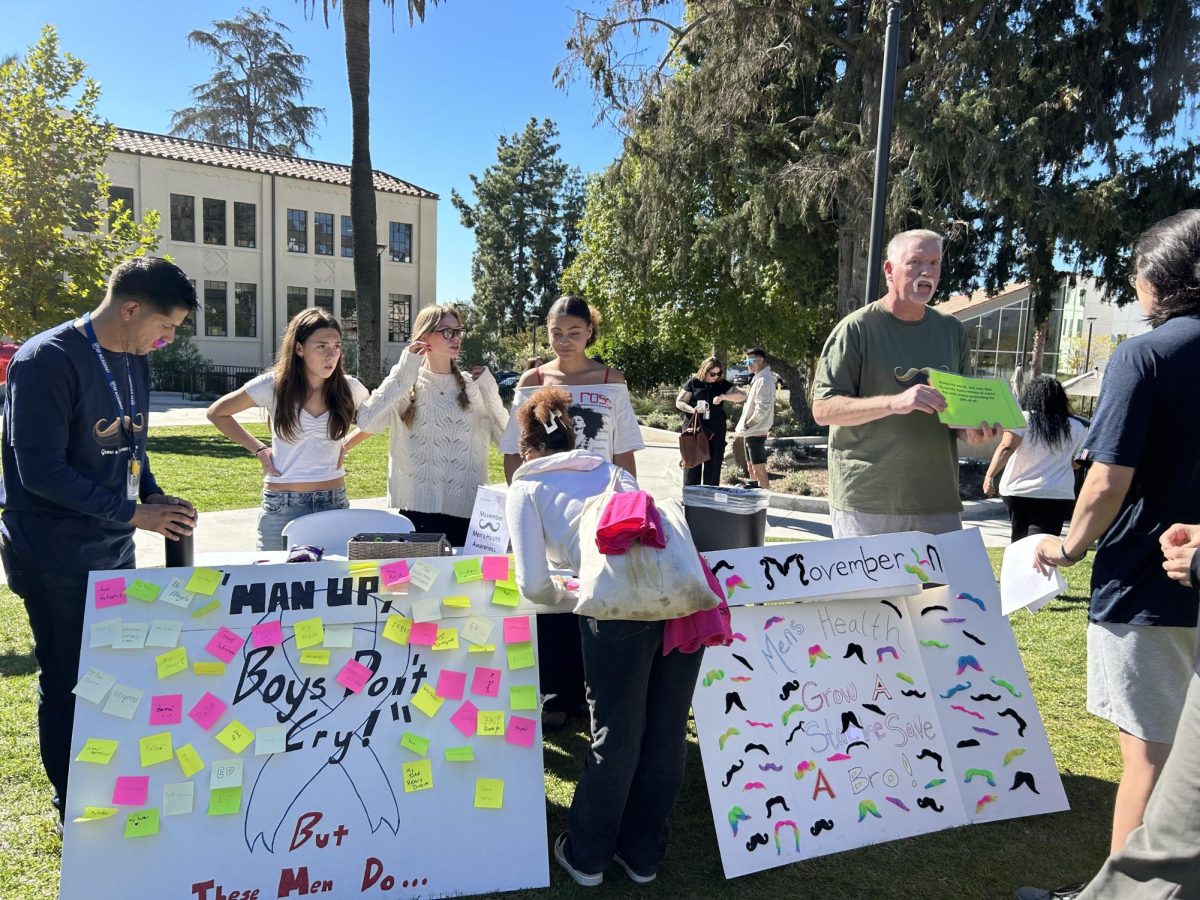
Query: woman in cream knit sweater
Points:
[441, 424]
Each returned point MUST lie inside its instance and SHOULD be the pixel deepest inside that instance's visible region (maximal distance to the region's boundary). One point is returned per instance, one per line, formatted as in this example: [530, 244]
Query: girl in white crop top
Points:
[311, 402]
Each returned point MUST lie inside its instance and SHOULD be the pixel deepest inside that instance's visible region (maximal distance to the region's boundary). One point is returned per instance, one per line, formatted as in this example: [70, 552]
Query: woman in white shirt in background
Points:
[311, 402]
[442, 423]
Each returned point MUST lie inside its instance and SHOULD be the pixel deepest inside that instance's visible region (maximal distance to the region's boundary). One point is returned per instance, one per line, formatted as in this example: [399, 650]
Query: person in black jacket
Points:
[705, 393]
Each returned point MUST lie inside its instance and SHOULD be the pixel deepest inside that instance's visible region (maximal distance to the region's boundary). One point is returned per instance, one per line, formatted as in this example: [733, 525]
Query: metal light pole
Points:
[883, 144]
[1087, 357]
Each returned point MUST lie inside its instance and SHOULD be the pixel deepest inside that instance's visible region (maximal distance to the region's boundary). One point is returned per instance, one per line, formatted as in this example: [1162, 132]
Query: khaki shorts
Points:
[1138, 676]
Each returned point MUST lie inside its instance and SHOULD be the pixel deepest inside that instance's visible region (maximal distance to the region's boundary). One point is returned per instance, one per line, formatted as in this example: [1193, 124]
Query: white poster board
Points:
[839, 723]
[425, 780]
[488, 529]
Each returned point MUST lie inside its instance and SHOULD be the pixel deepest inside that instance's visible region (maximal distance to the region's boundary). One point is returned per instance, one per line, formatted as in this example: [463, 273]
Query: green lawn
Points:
[982, 861]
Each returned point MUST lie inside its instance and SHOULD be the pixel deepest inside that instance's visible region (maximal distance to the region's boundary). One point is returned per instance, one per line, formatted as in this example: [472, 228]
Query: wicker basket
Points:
[373, 545]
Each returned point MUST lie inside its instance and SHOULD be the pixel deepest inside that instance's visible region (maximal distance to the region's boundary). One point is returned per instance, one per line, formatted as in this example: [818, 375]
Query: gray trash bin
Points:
[726, 518]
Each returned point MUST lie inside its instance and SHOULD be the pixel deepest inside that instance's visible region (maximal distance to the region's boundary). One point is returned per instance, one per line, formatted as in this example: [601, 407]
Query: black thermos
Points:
[179, 553]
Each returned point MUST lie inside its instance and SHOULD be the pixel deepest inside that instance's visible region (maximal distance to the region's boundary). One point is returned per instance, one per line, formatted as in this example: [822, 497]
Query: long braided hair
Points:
[429, 319]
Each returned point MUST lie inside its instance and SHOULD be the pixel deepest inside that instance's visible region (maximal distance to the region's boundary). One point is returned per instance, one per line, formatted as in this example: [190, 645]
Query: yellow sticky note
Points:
[418, 776]
[205, 609]
[224, 801]
[156, 748]
[468, 570]
[171, 663]
[447, 639]
[205, 667]
[142, 823]
[427, 700]
[364, 567]
[204, 581]
[482, 648]
[460, 754]
[459, 602]
[415, 743]
[489, 793]
[189, 760]
[143, 590]
[397, 629]
[97, 750]
[520, 656]
[96, 813]
[502, 595]
[491, 723]
[314, 657]
[235, 736]
[309, 632]
[523, 696]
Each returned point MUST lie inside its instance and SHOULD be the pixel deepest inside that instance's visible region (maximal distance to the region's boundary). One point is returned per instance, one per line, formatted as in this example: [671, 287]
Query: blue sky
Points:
[442, 92]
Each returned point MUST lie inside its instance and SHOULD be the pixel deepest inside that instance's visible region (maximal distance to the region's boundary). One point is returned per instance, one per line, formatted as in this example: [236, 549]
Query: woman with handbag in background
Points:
[639, 696]
[702, 402]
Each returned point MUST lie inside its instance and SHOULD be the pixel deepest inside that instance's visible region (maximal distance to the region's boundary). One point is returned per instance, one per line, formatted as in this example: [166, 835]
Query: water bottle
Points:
[179, 552]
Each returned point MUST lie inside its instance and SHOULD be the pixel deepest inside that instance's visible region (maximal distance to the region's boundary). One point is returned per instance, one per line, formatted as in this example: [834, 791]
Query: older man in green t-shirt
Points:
[893, 466]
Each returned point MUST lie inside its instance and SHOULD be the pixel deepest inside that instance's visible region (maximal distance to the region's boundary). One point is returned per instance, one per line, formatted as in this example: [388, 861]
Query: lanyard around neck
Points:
[112, 383]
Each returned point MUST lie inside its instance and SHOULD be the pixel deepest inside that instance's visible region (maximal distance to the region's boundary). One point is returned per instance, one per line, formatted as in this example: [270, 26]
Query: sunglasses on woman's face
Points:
[450, 334]
[716, 373]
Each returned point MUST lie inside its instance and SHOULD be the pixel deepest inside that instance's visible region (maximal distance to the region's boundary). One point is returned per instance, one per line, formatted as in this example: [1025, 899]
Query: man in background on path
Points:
[758, 414]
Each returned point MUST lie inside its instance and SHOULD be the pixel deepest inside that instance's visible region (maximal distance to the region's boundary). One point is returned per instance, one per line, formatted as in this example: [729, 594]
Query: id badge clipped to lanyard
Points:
[133, 476]
[133, 480]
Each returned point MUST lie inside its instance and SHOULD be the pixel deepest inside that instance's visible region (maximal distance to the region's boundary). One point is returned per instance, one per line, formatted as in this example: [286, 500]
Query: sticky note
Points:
[460, 754]
[102, 634]
[491, 723]
[206, 711]
[97, 750]
[189, 760]
[465, 718]
[397, 629]
[360, 568]
[171, 663]
[450, 684]
[520, 656]
[427, 610]
[457, 602]
[143, 590]
[468, 570]
[94, 685]
[415, 743]
[204, 581]
[122, 701]
[143, 823]
[225, 773]
[495, 568]
[235, 736]
[270, 739]
[314, 657]
[164, 633]
[175, 594]
[208, 667]
[422, 575]
[523, 696]
[225, 644]
[521, 731]
[110, 592]
[96, 813]
[225, 801]
[266, 634]
[179, 798]
[130, 790]
[353, 676]
[482, 648]
[447, 639]
[309, 632]
[427, 701]
[486, 682]
[516, 630]
[477, 630]
[423, 634]
[339, 636]
[394, 573]
[156, 748]
[502, 595]
[489, 793]
[166, 709]
[132, 637]
[418, 776]
[204, 610]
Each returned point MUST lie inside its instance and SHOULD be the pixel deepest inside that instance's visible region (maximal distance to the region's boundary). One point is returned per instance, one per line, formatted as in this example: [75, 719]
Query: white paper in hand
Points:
[1021, 585]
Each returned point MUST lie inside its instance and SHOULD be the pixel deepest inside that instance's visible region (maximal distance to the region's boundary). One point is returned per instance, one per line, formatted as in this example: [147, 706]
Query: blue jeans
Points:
[280, 507]
[639, 702]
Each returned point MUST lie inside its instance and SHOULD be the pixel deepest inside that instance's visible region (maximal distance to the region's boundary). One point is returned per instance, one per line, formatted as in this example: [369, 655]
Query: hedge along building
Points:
[264, 236]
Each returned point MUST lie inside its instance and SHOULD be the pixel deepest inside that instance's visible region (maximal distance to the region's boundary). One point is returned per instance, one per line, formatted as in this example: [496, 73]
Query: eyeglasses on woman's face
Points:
[449, 334]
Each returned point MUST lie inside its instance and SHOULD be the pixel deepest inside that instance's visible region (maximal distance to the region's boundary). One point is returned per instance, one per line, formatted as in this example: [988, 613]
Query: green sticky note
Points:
[972, 401]
[489, 793]
[97, 750]
[520, 656]
[523, 696]
[415, 743]
[204, 581]
[171, 663]
[309, 632]
[143, 590]
[205, 609]
[225, 801]
[460, 754]
[156, 748]
[142, 823]
[502, 595]
[468, 570]
[418, 776]
[96, 813]
[314, 657]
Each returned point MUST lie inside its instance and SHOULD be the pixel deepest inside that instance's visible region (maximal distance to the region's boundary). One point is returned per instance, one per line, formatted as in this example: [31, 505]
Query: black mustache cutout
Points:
[786, 690]
[969, 742]
[750, 747]
[722, 564]
[742, 660]
[937, 757]
[929, 803]
[776, 801]
[1025, 778]
[756, 841]
[848, 719]
[732, 699]
[799, 725]
[893, 606]
[854, 744]
[930, 609]
[733, 770]
[980, 697]
[1021, 723]
[975, 639]
[920, 695]
[854, 650]
[875, 709]
[821, 825]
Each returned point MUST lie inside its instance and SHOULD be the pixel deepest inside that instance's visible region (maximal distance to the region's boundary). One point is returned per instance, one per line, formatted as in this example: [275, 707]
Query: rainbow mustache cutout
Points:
[868, 808]
[814, 653]
[737, 815]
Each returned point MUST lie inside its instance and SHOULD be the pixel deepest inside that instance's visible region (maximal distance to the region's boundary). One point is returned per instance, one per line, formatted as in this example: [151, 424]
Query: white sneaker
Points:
[634, 876]
[581, 878]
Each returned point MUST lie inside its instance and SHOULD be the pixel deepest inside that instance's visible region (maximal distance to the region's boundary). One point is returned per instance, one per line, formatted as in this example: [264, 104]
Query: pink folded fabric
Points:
[707, 628]
[629, 516]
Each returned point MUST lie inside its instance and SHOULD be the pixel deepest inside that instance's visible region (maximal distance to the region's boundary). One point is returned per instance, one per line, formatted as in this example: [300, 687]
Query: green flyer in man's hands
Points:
[972, 401]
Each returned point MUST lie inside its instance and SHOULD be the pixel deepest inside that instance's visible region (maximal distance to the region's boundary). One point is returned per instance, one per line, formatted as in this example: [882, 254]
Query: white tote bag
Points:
[643, 582]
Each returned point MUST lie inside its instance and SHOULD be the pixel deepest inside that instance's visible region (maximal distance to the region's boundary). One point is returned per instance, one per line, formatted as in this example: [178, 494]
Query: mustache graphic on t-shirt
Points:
[109, 432]
[915, 376]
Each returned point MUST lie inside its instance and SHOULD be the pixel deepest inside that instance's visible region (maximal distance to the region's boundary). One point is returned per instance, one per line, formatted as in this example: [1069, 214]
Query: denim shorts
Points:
[280, 507]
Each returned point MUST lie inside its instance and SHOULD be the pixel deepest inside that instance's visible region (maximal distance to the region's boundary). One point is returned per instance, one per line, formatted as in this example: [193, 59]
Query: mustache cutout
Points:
[965, 596]
[769, 767]
[930, 609]
[787, 689]
[754, 786]
[968, 662]
[900, 803]
[879, 654]
[969, 742]
[953, 620]
[950, 692]
[733, 770]
[732, 699]
[893, 606]
[981, 643]
[760, 724]
[848, 719]
[936, 757]
[854, 744]
[821, 825]
[983, 730]
[756, 841]
[929, 803]
[1026, 779]
[875, 709]
[1001, 683]
[799, 726]
[913, 376]
[750, 747]
[777, 800]
[980, 697]
[1021, 723]
[787, 713]
[742, 660]
[854, 650]
[920, 695]
[774, 620]
[969, 712]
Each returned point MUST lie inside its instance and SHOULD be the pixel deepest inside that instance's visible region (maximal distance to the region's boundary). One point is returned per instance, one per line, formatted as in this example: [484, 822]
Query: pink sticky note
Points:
[450, 684]
[267, 634]
[486, 682]
[516, 629]
[224, 645]
[110, 592]
[395, 573]
[206, 711]
[130, 790]
[465, 718]
[495, 568]
[423, 634]
[166, 709]
[521, 731]
[354, 676]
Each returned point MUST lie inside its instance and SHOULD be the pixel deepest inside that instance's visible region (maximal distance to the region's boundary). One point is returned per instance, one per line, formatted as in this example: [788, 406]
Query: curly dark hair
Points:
[1049, 411]
[547, 408]
[1167, 257]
